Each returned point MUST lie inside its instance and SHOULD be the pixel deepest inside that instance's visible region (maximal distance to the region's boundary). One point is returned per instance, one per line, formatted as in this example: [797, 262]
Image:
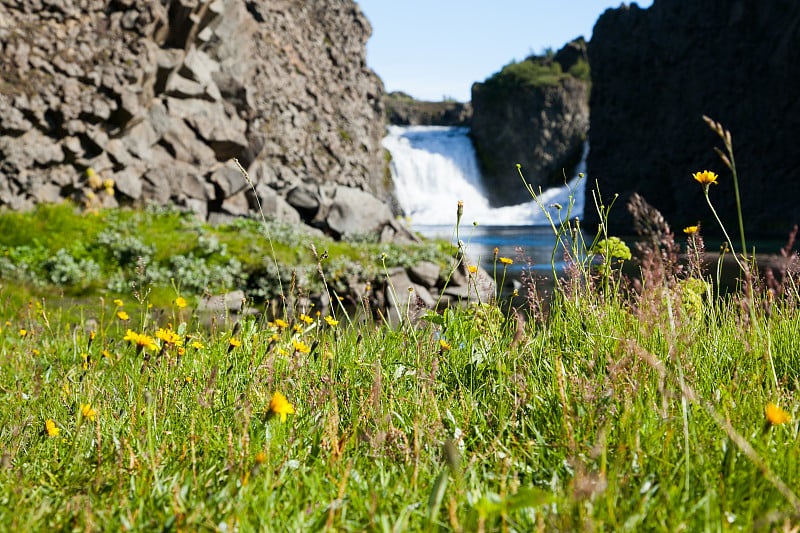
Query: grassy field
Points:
[606, 410]
[617, 404]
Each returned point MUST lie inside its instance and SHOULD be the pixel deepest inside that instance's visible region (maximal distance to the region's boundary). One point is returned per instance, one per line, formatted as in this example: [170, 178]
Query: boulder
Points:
[355, 212]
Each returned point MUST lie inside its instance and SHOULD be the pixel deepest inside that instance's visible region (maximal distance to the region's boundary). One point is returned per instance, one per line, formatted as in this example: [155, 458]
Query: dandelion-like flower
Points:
[279, 405]
[197, 345]
[87, 411]
[300, 346]
[775, 415]
[52, 429]
[281, 323]
[122, 315]
[443, 345]
[23, 333]
[705, 178]
[472, 269]
[118, 302]
[180, 301]
[307, 319]
[169, 336]
[690, 230]
[330, 321]
[234, 342]
[506, 261]
[141, 340]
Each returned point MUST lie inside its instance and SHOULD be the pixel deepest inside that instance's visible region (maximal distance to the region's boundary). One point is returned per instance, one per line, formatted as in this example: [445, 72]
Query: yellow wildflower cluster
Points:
[141, 340]
[169, 336]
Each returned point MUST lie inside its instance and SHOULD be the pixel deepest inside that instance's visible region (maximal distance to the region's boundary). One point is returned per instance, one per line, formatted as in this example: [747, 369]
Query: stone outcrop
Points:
[403, 110]
[157, 96]
[655, 72]
[534, 113]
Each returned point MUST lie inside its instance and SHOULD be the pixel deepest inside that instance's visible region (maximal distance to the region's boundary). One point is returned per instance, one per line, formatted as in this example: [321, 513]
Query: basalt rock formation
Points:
[131, 101]
[656, 71]
[534, 113]
[403, 110]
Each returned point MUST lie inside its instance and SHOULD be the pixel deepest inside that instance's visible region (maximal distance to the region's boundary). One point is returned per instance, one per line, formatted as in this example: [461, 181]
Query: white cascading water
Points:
[434, 167]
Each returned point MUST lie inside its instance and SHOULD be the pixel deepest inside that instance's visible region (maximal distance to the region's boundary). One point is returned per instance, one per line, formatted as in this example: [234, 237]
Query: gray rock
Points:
[229, 179]
[49, 193]
[185, 144]
[128, 181]
[305, 201]
[274, 205]
[230, 301]
[139, 139]
[354, 212]
[405, 300]
[236, 205]
[425, 273]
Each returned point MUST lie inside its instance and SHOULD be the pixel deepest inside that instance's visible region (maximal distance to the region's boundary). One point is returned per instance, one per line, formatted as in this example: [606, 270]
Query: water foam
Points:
[434, 167]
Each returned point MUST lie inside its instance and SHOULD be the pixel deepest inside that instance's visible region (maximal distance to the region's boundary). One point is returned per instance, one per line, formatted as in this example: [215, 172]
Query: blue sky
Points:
[436, 48]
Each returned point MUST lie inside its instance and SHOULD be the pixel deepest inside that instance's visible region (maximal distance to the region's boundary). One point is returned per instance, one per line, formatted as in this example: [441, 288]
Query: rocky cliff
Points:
[135, 100]
[655, 72]
[403, 110]
[534, 113]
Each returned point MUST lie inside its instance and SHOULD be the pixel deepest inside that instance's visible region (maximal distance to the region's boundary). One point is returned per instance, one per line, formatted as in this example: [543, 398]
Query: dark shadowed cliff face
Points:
[158, 95]
[534, 113]
[656, 71]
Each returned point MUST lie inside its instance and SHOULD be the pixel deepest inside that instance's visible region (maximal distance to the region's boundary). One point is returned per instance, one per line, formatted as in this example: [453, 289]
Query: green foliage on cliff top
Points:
[536, 71]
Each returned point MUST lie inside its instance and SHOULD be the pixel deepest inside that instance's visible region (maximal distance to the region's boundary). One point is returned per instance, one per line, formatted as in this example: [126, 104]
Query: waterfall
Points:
[434, 167]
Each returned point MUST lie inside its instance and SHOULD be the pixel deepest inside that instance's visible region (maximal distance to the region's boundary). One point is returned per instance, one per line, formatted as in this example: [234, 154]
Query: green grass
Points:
[578, 424]
[59, 249]
[604, 410]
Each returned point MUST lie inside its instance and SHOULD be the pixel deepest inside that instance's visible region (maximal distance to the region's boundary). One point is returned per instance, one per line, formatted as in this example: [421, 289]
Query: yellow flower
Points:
[122, 315]
[188, 379]
[107, 354]
[705, 178]
[51, 428]
[443, 345]
[108, 183]
[141, 340]
[23, 333]
[281, 324]
[87, 411]
[300, 346]
[180, 301]
[298, 328]
[94, 180]
[775, 415]
[234, 342]
[307, 319]
[472, 269]
[197, 345]
[261, 457]
[690, 230]
[506, 261]
[118, 302]
[330, 321]
[169, 336]
[279, 405]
